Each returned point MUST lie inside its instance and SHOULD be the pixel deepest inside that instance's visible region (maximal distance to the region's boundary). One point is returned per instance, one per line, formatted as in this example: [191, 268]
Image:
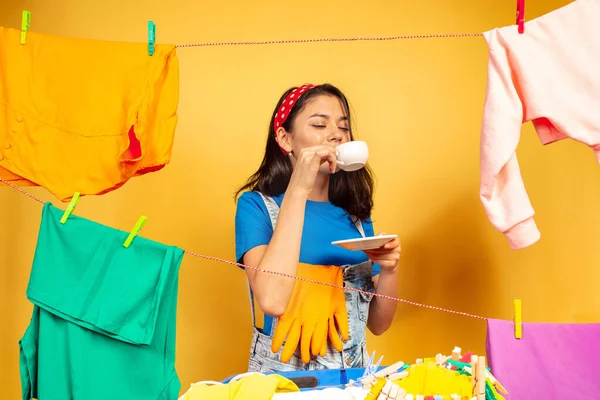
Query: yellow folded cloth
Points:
[428, 379]
[253, 386]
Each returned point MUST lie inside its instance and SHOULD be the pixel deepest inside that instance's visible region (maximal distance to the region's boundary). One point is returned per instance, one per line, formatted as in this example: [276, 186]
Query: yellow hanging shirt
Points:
[84, 115]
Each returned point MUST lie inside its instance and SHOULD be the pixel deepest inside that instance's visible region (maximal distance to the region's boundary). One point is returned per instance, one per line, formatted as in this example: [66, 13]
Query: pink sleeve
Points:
[502, 190]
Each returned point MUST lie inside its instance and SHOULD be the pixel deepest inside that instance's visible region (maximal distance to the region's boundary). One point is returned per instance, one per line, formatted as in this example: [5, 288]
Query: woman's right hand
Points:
[307, 165]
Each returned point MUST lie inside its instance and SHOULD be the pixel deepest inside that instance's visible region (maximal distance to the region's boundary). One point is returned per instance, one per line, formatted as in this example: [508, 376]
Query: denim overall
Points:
[354, 353]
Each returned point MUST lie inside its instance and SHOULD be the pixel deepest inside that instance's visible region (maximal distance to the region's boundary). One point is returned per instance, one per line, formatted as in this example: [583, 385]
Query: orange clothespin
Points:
[518, 319]
[521, 15]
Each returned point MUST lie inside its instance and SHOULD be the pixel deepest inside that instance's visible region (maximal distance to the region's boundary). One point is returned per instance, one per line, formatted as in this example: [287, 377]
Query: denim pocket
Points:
[364, 300]
[272, 365]
[253, 365]
[363, 306]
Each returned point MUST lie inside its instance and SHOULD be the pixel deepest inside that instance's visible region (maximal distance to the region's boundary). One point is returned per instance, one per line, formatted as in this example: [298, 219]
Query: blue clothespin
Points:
[377, 365]
[367, 371]
[370, 369]
[151, 37]
[25, 23]
[369, 365]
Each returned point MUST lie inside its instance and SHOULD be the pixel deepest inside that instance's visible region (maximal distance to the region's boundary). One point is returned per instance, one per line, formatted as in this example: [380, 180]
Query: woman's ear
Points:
[284, 139]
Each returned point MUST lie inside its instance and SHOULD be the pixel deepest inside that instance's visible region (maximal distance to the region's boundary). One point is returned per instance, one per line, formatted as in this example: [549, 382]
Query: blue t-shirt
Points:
[323, 223]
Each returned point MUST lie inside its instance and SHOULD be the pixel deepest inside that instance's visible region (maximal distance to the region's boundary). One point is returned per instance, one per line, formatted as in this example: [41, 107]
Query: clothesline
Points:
[194, 254]
[351, 39]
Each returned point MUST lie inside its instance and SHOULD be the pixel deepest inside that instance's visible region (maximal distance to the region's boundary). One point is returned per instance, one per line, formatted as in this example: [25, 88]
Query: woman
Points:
[290, 211]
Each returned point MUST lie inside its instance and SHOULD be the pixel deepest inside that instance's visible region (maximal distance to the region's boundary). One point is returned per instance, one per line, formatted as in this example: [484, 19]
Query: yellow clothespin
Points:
[376, 389]
[518, 320]
[70, 208]
[25, 22]
[136, 229]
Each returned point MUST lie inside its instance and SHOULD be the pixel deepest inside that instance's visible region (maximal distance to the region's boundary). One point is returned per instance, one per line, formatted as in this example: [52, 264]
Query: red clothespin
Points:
[521, 15]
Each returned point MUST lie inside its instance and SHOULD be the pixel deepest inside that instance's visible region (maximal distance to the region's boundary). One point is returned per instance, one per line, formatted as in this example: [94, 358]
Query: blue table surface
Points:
[325, 377]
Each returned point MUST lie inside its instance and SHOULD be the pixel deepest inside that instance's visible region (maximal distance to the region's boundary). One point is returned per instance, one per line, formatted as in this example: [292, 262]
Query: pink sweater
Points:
[549, 75]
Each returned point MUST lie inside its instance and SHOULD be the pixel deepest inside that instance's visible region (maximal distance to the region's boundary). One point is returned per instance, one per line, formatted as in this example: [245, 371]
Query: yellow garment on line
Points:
[250, 387]
[84, 115]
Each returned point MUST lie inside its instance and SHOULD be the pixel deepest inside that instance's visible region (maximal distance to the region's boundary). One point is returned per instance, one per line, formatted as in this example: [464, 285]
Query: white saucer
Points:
[366, 243]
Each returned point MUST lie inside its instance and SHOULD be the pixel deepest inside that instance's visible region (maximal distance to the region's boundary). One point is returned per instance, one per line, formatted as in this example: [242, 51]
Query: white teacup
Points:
[352, 156]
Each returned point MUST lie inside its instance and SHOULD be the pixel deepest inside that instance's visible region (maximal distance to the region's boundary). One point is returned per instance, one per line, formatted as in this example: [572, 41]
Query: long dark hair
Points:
[352, 191]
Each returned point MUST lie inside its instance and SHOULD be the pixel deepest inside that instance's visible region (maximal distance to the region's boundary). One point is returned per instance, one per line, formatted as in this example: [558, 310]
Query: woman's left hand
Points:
[387, 255]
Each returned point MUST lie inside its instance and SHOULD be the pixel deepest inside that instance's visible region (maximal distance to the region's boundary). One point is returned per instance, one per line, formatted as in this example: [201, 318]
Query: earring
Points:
[289, 153]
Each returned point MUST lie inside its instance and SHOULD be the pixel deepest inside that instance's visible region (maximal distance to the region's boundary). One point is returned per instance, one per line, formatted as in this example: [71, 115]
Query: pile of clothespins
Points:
[454, 377]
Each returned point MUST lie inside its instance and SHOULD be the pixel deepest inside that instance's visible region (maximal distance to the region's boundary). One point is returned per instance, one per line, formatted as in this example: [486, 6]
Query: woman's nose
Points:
[335, 135]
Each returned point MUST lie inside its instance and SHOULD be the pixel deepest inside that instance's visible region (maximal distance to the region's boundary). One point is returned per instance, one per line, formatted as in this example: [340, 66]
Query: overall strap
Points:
[359, 226]
[273, 210]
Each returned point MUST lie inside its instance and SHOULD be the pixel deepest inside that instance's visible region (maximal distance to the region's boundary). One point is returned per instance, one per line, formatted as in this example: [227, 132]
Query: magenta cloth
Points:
[550, 361]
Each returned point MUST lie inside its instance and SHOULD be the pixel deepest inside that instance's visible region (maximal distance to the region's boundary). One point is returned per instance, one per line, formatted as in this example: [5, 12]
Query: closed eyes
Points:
[325, 126]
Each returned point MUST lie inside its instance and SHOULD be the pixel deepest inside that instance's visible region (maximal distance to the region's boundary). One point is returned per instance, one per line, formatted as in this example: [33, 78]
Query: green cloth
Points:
[104, 316]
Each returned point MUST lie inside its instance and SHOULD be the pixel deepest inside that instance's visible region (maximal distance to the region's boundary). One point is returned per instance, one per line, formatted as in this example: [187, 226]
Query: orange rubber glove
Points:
[309, 316]
[339, 315]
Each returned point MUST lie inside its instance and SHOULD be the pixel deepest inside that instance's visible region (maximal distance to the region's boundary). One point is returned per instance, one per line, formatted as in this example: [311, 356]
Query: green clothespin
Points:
[151, 37]
[458, 364]
[70, 208]
[490, 391]
[25, 22]
[136, 229]
[463, 368]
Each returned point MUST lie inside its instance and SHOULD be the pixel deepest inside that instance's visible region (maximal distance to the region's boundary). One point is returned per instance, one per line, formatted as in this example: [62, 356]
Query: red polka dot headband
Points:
[286, 106]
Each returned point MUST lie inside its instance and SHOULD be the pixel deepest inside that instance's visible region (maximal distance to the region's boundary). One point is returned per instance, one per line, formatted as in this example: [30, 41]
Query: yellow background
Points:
[417, 102]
